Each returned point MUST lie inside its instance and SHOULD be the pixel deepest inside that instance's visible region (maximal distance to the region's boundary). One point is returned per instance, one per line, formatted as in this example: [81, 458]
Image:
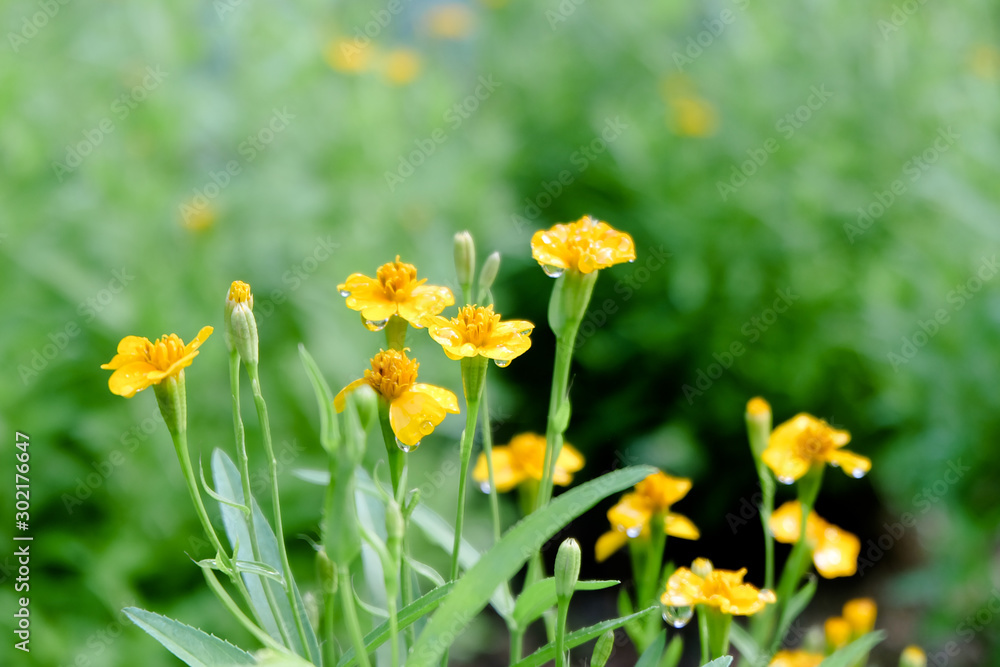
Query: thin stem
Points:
[395, 456]
[465, 454]
[235, 610]
[553, 430]
[703, 633]
[348, 603]
[563, 612]
[654, 562]
[516, 645]
[394, 630]
[329, 631]
[488, 450]
[272, 473]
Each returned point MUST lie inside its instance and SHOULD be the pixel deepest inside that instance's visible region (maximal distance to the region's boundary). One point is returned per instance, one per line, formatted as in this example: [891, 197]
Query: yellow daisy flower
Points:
[860, 613]
[837, 632]
[797, 658]
[394, 290]
[414, 408]
[632, 515]
[804, 441]
[524, 459]
[718, 588]
[585, 246]
[141, 363]
[478, 331]
[835, 551]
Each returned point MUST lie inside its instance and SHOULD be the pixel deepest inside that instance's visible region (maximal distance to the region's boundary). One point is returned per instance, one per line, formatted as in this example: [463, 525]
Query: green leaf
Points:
[329, 429]
[246, 566]
[408, 615]
[425, 570]
[548, 652]
[541, 595]
[674, 650]
[854, 651]
[724, 661]
[195, 647]
[745, 644]
[796, 605]
[499, 564]
[651, 656]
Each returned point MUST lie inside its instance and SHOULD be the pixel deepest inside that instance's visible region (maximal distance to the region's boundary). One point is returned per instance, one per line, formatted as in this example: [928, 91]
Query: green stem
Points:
[396, 456]
[554, 430]
[488, 450]
[563, 612]
[272, 473]
[394, 630]
[704, 633]
[351, 616]
[329, 628]
[516, 645]
[797, 563]
[465, 454]
[235, 610]
[650, 578]
[718, 623]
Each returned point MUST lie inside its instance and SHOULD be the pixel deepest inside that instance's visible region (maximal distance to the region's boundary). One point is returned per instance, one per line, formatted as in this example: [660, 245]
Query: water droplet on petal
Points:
[345, 293]
[552, 271]
[376, 325]
[834, 464]
[786, 480]
[634, 531]
[502, 363]
[857, 473]
[407, 448]
[484, 487]
[426, 427]
[677, 616]
[631, 260]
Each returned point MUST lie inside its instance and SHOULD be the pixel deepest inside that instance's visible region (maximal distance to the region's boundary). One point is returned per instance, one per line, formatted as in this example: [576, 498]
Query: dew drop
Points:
[634, 531]
[552, 271]
[345, 293]
[405, 447]
[502, 363]
[786, 480]
[376, 325]
[426, 427]
[677, 616]
[632, 261]
[857, 473]
[484, 487]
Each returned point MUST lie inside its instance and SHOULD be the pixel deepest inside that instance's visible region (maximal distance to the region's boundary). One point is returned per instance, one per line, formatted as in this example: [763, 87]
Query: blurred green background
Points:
[837, 158]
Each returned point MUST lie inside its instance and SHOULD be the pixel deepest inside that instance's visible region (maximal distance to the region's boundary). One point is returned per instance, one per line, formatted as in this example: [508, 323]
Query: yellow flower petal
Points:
[585, 246]
[340, 400]
[860, 613]
[853, 464]
[140, 363]
[609, 543]
[130, 349]
[684, 589]
[797, 658]
[506, 475]
[677, 525]
[719, 588]
[413, 416]
[446, 399]
[131, 378]
[478, 331]
[836, 553]
[630, 514]
[394, 291]
[425, 299]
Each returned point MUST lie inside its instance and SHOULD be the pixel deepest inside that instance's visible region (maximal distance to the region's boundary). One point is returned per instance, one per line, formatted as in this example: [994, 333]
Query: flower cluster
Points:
[835, 551]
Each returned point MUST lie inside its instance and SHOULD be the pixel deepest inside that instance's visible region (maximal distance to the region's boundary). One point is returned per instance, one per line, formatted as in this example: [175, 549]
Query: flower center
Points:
[478, 323]
[812, 443]
[239, 292]
[397, 278]
[165, 352]
[392, 373]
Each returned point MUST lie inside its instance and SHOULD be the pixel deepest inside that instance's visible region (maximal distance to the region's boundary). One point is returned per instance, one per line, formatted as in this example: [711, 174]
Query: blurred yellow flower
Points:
[860, 613]
[913, 656]
[632, 515]
[401, 66]
[585, 245]
[804, 441]
[394, 290]
[837, 632]
[797, 658]
[692, 116]
[141, 363]
[197, 217]
[524, 459]
[415, 409]
[835, 551]
[718, 588]
[349, 55]
[451, 20]
[985, 62]
[478, 331]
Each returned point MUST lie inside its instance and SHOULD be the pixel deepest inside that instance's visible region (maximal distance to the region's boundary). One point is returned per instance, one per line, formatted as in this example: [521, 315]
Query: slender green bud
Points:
[488, 274]
[366, 402]
[241, 327]
[758, 419]
[602, 649]
[567, 571]
[913, 656]
[465, 260]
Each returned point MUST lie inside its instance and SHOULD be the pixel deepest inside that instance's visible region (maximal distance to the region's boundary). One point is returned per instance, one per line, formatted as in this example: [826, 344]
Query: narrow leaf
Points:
[548, 652]
[195, 647]
[651, 656]
[853, 652]
[796, 605]
[724, 661]
[541, 595]
[745, 644]
[499, 564]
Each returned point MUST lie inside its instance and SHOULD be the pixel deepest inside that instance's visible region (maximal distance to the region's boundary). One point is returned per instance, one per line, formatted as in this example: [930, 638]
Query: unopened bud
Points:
[758, 418]
[465, 260]
[602, 649]
[488, 274]
[366, 403]
[702, 567]
[241, 327]
[567, 571]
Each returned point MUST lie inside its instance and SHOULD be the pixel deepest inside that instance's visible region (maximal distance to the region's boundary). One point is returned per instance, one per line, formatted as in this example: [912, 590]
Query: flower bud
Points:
[758, 418]
[241, 327]
[702, 567]
[366, 403]
[602, 649]
[567, 571]
[488, 274]
[465, 260]
[913, 656]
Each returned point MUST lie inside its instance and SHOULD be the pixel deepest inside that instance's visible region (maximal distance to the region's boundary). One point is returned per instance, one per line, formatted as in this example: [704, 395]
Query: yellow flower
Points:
[394, 290]
[837, 632]
[451, 20]
[804, 441]
[718, 588]
[585, 245]
[860, 613]
[140, 363]
[401, 66]
[835, 551]
[414, 408]
[197, 217]
[913, 656]
[797, 658]
[632, 515]
[349, 55]
[478, 331]
[524, 459]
